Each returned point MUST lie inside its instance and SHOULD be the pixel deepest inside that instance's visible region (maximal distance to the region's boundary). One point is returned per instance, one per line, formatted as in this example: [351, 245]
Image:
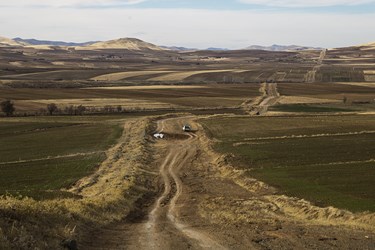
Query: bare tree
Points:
[51, 108]
[108, 109]
[7, 107]
[80, 109]
[69, 110]
[344, 99]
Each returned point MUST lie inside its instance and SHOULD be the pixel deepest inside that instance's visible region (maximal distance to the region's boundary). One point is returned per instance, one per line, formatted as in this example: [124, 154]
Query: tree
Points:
[344, 99]
[80, 109]
[51, 108]
[108, 108]
[119, 108]
[69, 110]
[7, 107]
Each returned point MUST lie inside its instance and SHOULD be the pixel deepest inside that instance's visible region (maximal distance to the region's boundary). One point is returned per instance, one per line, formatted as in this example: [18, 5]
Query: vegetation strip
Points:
[309, 136]
[343, 163]
[53, 157]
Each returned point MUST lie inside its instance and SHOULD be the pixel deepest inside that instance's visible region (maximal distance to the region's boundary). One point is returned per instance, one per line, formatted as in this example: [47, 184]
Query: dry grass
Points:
[180, 76]
[124, 75]
[151, 87]
[301, 99]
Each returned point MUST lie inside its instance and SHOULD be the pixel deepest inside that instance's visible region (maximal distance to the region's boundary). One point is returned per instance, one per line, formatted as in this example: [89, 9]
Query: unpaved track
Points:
[204, 204]
[166, 209]
[270, 97]
[162, 228]
[310, 77]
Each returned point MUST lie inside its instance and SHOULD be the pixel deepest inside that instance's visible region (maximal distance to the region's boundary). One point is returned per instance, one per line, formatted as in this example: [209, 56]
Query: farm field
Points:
[150, 98]
[39, 157]
[328, 160]
[112, 168]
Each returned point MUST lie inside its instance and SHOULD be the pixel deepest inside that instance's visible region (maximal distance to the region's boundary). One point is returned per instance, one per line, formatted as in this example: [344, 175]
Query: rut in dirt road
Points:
[166, 209]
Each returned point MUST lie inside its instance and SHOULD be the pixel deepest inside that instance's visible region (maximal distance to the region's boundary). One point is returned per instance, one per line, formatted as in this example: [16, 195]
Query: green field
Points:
[38, 158]
[328, 160]
[307, 108]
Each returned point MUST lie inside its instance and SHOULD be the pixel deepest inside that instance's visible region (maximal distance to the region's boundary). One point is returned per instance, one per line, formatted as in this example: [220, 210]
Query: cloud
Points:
[307, 3]
[70, 3]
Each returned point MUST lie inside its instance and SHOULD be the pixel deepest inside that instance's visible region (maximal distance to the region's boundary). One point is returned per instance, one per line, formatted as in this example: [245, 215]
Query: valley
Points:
[280, 154]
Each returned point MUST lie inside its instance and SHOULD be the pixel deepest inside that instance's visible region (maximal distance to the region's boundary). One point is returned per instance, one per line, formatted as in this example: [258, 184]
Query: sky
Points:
[230, 24]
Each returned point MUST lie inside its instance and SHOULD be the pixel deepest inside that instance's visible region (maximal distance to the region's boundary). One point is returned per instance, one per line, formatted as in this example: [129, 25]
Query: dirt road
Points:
[162, 227]
[203, 203]
[270, 97]
[310, 77]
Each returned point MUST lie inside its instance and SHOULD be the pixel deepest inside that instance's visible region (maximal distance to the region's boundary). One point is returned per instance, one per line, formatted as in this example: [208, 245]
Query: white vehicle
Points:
[159, 136]
[186, 128]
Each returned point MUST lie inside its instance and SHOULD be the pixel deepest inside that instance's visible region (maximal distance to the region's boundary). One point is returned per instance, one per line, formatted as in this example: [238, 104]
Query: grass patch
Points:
[44, 179]
[26, 141]
[303, 166]
[346, 185]
[39, 158]
[305, 108]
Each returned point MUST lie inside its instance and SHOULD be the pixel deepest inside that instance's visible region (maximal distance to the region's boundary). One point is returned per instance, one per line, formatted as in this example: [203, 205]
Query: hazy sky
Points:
[194, 23]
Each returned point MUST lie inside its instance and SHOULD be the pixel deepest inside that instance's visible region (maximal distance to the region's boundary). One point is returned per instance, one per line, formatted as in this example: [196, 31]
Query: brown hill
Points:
[125, 43]
[7, 42]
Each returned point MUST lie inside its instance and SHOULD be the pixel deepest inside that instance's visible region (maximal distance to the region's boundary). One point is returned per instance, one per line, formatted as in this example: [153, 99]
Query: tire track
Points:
[166, 208]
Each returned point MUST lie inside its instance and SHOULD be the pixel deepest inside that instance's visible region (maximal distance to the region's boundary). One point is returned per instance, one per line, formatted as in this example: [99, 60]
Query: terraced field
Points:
[326, 159]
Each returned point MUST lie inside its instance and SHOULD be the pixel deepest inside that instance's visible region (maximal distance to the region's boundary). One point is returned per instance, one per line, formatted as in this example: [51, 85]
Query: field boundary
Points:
[309, 136]
[53, 157]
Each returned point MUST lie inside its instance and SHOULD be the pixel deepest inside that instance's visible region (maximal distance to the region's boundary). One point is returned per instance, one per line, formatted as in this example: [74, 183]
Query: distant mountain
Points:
[7, 42]
[217, 49]
[276, 47]
[125, 43]
[176, 48]
[50, 43]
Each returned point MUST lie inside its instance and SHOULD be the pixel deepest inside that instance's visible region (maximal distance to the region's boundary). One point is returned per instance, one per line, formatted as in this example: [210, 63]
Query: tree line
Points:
[8, 108]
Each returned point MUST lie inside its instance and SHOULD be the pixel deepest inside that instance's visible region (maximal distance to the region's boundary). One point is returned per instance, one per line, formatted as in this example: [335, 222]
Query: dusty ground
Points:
[203, 203]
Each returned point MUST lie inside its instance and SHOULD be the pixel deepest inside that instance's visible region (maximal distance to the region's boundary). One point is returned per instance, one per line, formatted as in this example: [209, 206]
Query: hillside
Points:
[125, 43]
[7, 42]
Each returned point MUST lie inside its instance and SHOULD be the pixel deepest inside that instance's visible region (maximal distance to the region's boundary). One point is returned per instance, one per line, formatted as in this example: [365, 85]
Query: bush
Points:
[7, 107]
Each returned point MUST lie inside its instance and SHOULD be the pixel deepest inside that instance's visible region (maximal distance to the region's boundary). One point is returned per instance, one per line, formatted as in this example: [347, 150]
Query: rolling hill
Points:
[125, 43]
[6, 42]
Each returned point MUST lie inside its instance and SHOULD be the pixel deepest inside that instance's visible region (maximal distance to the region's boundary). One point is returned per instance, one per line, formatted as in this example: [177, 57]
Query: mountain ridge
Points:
[137, 44]
[33, 41]
[276, 47]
